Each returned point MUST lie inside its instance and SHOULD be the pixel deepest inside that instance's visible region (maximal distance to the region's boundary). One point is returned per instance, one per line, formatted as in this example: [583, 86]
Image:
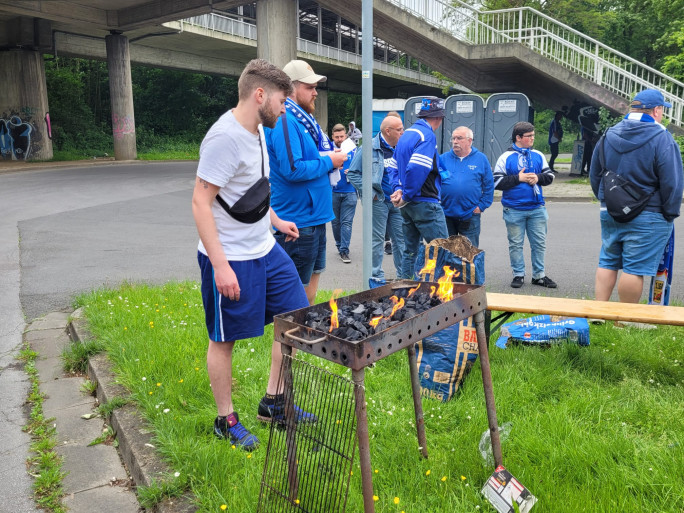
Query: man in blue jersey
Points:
[417, 182]
[301, 156]
[640, 150]
[469, 187]
[344, 196]
[520, 173]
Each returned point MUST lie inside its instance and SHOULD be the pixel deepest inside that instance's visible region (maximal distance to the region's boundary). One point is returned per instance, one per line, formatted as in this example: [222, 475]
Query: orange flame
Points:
[446, 287]
[430, 266]
[411, 291]
[432, 290]
[334, 322]
[375, 321]
[397, 305]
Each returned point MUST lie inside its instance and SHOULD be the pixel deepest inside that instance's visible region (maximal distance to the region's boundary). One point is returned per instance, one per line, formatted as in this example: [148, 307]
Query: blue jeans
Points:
[468, 228]
[422, 219]
[386, 218]
[307, 252]
[344, 208]
[534, 222]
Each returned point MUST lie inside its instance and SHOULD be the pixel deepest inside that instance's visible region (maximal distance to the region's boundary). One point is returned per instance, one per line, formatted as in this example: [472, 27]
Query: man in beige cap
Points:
[301, 156]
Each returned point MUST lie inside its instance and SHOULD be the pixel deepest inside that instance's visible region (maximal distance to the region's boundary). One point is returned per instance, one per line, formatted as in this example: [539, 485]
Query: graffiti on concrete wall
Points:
[19, 137]
[122, 125]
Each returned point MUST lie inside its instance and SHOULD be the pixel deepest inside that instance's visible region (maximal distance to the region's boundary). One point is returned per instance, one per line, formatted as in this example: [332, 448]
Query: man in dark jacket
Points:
[640, 150]
[520, 173]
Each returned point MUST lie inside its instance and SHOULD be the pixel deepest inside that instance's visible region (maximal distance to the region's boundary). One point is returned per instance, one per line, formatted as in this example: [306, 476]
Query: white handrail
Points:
[568, 47]
[226, 25]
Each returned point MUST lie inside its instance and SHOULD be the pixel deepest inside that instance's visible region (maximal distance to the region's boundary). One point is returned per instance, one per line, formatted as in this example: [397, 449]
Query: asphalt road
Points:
[72, 229]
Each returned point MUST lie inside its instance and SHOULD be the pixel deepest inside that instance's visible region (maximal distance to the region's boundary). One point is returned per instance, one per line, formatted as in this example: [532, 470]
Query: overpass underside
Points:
[482, 68]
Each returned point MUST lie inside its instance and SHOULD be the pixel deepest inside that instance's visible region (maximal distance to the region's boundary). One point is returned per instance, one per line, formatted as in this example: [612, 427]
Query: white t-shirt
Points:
[231, 158]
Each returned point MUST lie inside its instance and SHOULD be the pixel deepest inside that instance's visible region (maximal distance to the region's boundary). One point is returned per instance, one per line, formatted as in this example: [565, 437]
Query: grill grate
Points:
[308, 465]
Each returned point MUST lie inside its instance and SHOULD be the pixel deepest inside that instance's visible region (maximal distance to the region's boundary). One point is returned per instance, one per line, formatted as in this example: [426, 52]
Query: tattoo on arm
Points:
[204, 183]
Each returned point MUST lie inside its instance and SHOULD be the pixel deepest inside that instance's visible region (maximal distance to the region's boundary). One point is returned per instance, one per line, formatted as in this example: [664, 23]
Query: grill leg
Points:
[358, 377]
[487, 384]
[290, 424]
[417, 403]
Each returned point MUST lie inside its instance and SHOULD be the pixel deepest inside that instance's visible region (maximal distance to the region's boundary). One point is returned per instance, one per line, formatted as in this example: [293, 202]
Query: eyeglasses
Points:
[528, 135]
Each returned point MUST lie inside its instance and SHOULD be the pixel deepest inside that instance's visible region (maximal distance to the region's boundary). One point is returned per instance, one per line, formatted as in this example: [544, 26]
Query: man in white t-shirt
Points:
[246, 277]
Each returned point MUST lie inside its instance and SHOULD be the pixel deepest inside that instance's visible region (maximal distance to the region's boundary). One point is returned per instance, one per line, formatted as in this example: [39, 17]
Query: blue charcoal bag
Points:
[545, 330]
[445, 358]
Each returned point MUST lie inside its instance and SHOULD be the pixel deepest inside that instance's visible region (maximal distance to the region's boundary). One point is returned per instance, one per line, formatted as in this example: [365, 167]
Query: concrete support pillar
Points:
[321, 113]
[277, 22]
[25, 132]
[121, 93]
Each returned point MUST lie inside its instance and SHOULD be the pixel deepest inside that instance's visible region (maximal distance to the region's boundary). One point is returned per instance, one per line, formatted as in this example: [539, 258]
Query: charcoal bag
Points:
[445, 358]
[544, 330]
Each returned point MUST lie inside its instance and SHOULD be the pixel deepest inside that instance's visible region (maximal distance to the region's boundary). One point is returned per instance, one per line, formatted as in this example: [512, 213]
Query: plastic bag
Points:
[485, 444]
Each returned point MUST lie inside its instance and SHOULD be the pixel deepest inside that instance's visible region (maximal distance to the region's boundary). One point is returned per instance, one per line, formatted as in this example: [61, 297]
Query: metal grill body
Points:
[291, 332]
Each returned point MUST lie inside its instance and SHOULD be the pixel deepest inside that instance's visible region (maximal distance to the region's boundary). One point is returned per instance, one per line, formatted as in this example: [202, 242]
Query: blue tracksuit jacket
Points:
[416, 157]
[469, 183]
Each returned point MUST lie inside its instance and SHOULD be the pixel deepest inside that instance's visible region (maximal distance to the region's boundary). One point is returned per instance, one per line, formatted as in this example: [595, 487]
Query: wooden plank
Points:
[652, 314]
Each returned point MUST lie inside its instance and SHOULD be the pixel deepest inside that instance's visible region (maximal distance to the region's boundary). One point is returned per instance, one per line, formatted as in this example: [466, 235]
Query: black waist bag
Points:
[255, 203]
[624, 200]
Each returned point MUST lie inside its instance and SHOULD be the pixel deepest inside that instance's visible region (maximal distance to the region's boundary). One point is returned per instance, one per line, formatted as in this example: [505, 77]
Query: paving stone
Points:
[53, 320]
[49, 369]
[104, 499]
[64, 395]
[73, 429]
[90, 467]
[47, 343]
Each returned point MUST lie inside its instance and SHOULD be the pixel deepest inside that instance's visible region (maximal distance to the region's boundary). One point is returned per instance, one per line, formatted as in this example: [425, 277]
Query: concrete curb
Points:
[135, 438]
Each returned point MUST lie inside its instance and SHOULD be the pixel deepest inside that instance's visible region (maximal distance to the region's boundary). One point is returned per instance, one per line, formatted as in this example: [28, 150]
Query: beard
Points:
[268, 119]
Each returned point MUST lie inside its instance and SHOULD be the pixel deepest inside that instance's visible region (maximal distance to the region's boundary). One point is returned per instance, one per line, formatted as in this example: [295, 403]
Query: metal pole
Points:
[367, 123]
[488, 390]
[417, 404]
[290, 423]
[358, 377]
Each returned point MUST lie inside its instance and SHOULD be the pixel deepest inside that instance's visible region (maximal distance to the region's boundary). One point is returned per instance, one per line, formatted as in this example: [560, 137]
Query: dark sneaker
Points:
[274, 410]
[230, 428]
[388, 247]
[544, 282]
[345, 258]
[518, 282]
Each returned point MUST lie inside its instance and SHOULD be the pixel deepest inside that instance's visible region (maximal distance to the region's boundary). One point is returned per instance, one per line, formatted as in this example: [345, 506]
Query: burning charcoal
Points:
[410, 303]
[435, 301]
[359, 310]
[377, 312]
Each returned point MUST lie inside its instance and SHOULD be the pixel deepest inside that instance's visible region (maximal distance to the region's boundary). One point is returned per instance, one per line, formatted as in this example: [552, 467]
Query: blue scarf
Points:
[640, 116]
[528, 164]
[321, 139]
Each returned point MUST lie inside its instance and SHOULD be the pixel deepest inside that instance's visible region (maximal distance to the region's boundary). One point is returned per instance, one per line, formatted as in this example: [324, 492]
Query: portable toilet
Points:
[502, 111]
[411, 110]
[382, 107]
[464, 110]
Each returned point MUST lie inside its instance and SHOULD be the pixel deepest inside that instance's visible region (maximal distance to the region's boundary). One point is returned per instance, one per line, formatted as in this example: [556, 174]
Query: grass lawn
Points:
[595, 428]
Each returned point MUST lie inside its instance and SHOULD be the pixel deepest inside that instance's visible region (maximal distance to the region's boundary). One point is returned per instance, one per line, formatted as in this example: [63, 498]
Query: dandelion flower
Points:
[158, 384]
[296, 501]
[444, 478]
[396, 500]
[232, 447]
[376, 498]
[224, 507]
[463, 478]
[376, 471]
[196, 368]
[249, 455]
[180, 380]
[427, 473]
[150, 393]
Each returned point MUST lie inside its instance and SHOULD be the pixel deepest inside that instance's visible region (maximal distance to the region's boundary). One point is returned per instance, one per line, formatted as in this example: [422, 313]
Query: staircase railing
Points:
[560, 43]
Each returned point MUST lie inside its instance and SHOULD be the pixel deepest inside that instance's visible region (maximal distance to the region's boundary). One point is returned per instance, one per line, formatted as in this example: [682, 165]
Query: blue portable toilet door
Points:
[502, 111]
[464, 110]
[411, 110]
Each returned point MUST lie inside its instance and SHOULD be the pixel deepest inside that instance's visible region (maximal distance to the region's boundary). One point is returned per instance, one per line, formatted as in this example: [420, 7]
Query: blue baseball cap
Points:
[649, 99]
[431, 107]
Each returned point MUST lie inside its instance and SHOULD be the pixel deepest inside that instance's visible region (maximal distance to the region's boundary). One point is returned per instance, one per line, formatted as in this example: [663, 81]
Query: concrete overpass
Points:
[514, 49]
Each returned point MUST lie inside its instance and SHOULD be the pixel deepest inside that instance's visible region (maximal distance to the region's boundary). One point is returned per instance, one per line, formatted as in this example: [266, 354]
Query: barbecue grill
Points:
[290, 330]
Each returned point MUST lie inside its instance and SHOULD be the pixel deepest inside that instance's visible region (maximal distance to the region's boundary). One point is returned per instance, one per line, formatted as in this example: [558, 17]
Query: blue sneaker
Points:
[229, 428]
[273, 410]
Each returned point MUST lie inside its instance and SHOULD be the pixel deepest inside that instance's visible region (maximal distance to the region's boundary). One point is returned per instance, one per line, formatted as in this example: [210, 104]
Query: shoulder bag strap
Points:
[286, 130]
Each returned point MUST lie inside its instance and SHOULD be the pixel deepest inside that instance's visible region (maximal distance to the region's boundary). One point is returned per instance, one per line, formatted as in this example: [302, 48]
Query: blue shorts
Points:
[307, 252]
[635, 247]
[268, 286]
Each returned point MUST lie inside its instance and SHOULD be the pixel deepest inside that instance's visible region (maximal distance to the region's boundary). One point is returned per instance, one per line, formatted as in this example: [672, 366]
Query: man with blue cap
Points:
[641, 151]
[417, 182]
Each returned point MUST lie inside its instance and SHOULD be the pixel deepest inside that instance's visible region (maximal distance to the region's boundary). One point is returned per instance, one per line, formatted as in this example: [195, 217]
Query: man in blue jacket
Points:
[417, 183]
[385, 215]
[301, 156]
[344, 196]
[640, 150]
[467, 185]
[520, 173]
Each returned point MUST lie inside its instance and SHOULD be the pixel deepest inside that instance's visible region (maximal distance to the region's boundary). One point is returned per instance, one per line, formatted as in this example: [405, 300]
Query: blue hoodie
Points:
[647, 155]
[470, 183]
[516, 194]
[303, 194]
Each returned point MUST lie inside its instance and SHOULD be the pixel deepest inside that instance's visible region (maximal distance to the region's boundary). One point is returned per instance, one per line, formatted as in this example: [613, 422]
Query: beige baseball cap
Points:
[301, 71]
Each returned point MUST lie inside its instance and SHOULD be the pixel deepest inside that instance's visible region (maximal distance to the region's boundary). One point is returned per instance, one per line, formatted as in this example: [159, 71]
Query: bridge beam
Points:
[24, 116]
[121, 94]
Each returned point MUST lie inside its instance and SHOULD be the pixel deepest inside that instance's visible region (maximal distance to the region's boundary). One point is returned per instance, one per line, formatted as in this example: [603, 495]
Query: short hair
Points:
[339, 127]
[261, 73]
[520, 128]
[469, 132]
[393, 113]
